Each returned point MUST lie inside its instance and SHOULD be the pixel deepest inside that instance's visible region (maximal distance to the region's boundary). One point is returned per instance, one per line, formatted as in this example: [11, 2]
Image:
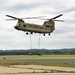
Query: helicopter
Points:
[47, 27]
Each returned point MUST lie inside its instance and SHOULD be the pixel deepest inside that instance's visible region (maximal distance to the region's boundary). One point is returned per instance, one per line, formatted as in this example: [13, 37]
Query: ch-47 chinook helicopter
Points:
[47, 27]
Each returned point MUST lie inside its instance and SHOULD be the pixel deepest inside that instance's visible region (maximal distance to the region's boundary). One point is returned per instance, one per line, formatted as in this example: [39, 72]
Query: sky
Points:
[62, 37]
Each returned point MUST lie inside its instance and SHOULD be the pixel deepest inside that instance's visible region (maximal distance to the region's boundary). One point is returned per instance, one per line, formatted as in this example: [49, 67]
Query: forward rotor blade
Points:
[33, 17]
[11, 16]
[56, 16]
[10, 19]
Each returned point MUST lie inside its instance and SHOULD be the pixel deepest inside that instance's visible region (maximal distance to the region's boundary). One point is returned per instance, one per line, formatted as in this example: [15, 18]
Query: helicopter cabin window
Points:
[41, 28]
[45, 28]
[24, 25]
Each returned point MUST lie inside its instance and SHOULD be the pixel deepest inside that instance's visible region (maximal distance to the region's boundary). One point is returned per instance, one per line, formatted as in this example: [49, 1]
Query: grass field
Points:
[40, 57]
[59, 57]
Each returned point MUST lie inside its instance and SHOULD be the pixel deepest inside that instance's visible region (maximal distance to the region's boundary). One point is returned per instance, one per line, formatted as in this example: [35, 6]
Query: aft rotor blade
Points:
[59, 20]
[40, 17]
[11, 16]
[56, 16]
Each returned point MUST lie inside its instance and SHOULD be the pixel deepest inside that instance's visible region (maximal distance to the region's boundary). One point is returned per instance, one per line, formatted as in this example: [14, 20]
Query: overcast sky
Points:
[62, 37]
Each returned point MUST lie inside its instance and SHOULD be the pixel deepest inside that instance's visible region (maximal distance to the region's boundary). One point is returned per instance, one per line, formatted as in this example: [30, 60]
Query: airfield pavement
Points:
[33, 70]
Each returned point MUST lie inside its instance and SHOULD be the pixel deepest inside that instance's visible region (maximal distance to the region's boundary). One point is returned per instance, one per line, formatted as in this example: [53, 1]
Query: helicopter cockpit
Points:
[19, 23]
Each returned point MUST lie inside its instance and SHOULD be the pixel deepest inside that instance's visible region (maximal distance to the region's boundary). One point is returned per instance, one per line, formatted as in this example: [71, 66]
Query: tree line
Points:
[38, 52]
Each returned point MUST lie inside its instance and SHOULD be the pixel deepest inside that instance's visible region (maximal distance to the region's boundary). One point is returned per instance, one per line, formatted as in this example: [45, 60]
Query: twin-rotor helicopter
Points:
[47, 27]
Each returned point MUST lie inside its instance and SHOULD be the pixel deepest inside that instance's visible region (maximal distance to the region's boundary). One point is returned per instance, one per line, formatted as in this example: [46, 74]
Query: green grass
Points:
[40, 57]
[8, 62]
[35, 63]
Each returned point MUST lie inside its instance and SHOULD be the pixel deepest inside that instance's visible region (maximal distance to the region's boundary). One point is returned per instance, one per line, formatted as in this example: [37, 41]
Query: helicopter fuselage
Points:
[45, 28]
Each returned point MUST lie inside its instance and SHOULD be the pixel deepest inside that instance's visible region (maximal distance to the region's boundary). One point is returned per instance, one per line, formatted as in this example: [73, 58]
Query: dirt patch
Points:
[44, 67]
[44, 74]
[35, 70]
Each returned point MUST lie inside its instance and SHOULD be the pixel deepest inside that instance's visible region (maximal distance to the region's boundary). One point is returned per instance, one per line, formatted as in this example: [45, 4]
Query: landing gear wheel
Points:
[49, 33]
[31, 32]
[43, 34]
[27, 33]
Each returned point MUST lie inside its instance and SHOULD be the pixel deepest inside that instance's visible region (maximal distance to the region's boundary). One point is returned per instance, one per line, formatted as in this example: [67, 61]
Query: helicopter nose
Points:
[16, 27]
